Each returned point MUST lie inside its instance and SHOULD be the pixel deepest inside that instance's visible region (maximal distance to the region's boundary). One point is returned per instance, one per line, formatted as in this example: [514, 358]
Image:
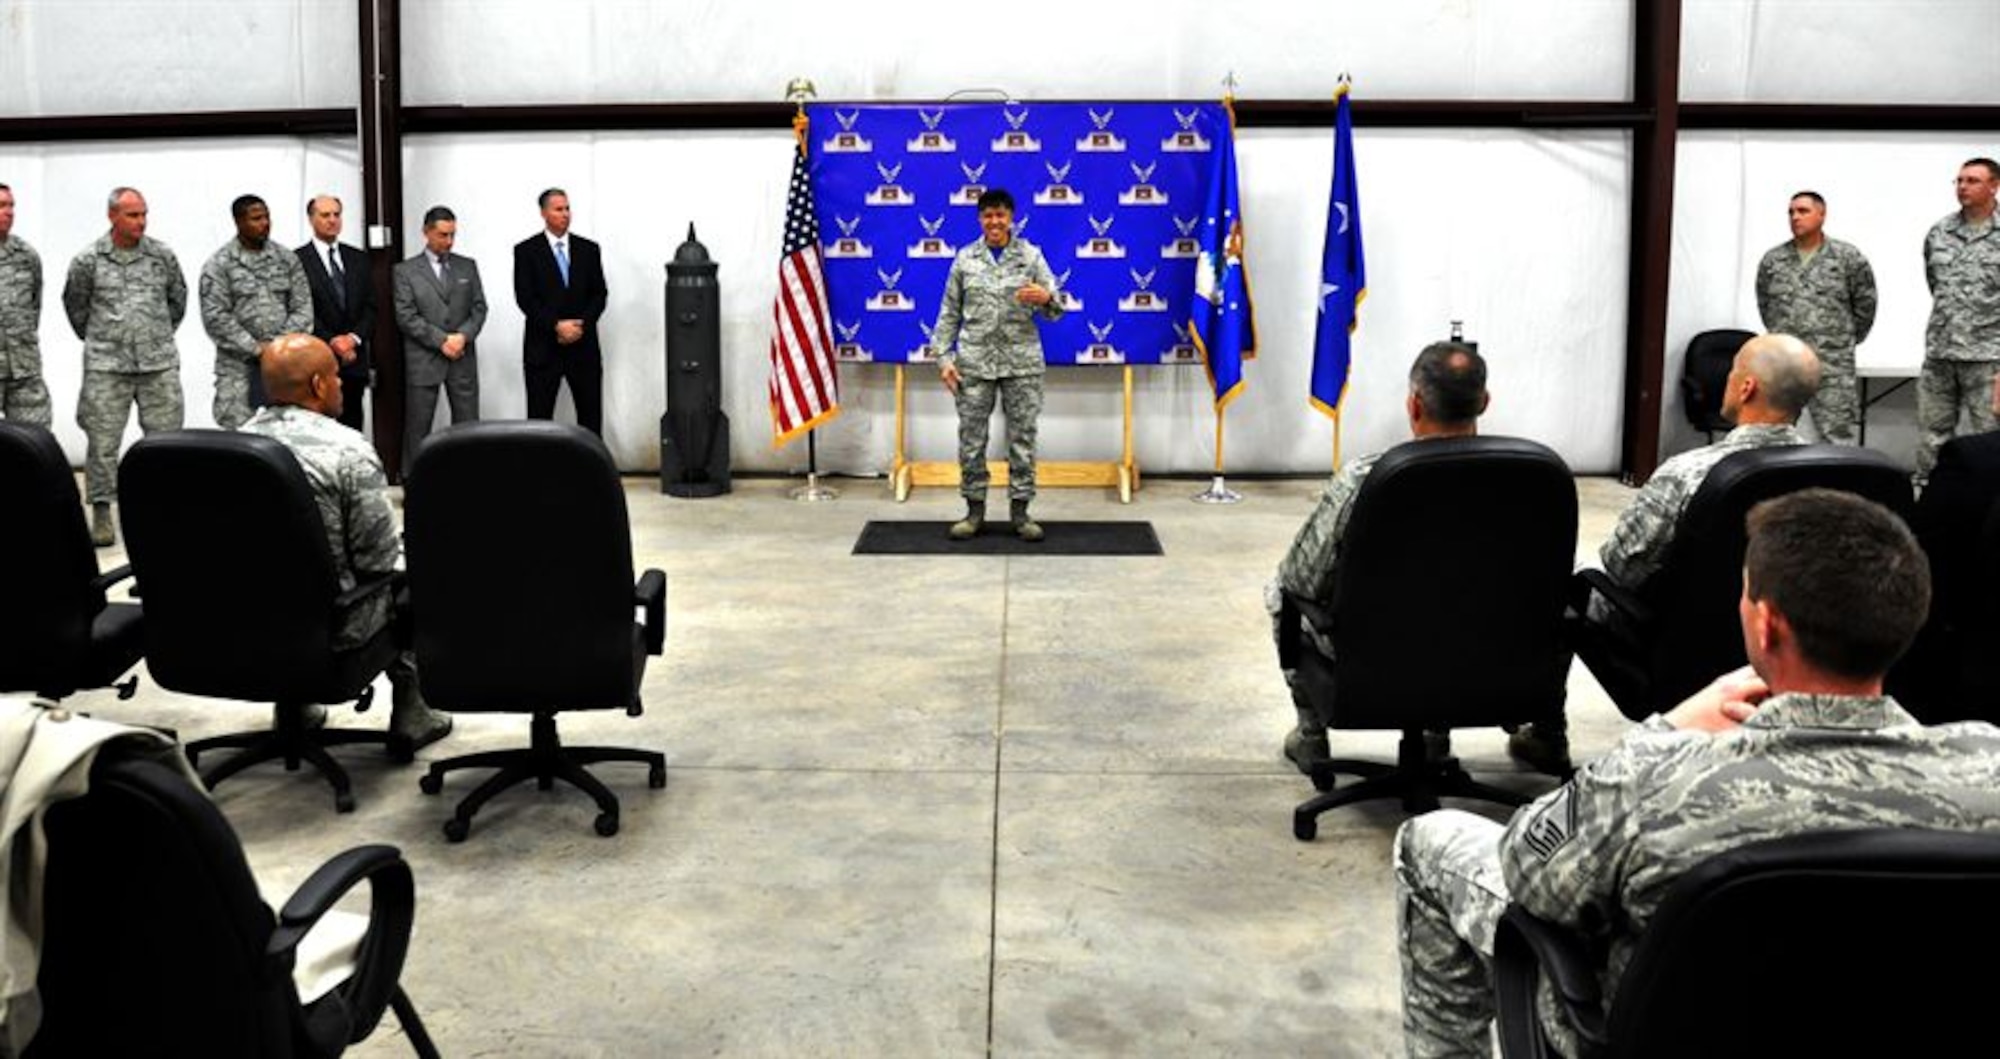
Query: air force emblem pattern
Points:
[1113, 191]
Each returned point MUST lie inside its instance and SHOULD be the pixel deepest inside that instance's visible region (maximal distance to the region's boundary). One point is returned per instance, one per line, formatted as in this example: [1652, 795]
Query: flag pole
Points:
[798, 91]
[1218, 491]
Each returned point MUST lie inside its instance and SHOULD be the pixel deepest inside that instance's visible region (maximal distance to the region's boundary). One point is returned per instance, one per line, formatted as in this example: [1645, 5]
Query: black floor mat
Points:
[1060, 538]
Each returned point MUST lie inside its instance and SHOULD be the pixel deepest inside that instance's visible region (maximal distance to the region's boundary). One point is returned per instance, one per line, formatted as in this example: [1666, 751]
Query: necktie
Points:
[339, 275]
[562, 259]
[444, 271]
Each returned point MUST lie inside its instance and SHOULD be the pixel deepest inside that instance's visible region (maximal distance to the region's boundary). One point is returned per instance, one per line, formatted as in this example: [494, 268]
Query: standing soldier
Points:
[23, 396]
[1821, 290]
[252, 291]
[124, 297]
[1962, 343]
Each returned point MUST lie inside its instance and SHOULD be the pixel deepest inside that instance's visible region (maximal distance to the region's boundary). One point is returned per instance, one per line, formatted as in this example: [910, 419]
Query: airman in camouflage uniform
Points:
[998, 287]
[1962, 342]
[1823, 291]
[1770, 383]
[303, 379]
[1747, 759]
[23, 395]
[124, 297]
[251, 292]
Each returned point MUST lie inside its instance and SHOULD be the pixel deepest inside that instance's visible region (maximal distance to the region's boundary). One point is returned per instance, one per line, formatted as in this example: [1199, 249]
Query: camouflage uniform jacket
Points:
[1962, 266]
[1599, 854]
[1638, 543]
[125, 305]
[20, 309]
[1828, 299]
[996, 335]
[249, 297]
[353, 499]
[1307, 569]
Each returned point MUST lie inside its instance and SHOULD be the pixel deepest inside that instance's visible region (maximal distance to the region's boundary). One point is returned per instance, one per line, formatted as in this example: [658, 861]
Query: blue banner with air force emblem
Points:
[1112, 193]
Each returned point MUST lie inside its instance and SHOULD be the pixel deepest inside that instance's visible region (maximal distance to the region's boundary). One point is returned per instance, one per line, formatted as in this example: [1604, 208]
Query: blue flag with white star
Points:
[1220, 316]
[1343, 277]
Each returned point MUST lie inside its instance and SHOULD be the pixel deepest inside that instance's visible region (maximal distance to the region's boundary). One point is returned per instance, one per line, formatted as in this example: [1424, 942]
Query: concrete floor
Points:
[922, 806]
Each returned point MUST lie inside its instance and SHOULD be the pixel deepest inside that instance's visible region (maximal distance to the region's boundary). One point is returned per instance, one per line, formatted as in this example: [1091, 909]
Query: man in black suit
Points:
[559, 285]
[343, 302]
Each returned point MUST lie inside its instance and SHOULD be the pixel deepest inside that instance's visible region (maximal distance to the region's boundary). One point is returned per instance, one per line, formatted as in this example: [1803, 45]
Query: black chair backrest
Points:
[1450, 588]
[1703, 374]
[520, 563]
[230, 554]
[154, 932]
[1953, 670]
[1820, 944]
[47, 563]
[1696, 632]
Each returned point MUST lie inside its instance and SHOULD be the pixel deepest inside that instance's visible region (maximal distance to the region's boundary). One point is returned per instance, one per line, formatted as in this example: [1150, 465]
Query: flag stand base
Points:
[812, 492]
[1121, 474]
[1218, 492]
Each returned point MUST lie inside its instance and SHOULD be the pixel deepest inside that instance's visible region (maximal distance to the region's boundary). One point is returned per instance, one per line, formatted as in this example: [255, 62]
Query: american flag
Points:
[805, 391]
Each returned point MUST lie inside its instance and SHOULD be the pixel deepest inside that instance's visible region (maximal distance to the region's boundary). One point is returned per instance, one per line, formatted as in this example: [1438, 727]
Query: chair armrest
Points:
[391, 914]
[102, 582]
[651, 593]
[1526, 951]
[1622, 599]
[363, 588]
[1293, 609]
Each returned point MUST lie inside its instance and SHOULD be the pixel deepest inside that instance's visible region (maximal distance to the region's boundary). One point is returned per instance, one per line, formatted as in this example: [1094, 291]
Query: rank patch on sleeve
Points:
[1552, 827]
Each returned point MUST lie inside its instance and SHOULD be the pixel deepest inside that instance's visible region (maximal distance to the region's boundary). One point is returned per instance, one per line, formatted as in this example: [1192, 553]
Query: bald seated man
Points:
[302, 381]
[1772, 380]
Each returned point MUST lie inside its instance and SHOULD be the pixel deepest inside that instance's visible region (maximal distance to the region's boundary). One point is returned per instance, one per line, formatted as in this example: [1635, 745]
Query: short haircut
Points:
[1789, 380]
[1992, 167]
[542, 200]
[4, 187]
[996, 197]
[1818, 199]
[1449, 379]
[436, 214]
[316, 198]
[111, 202]
[243, 204]
[1845, 572]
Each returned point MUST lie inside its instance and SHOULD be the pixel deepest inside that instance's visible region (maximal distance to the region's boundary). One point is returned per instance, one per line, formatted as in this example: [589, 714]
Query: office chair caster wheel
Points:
[343, 802]
[607, 824]
[656, 777]
[431, 783]
[1322, 778]
[456, 829]
[1305, 827]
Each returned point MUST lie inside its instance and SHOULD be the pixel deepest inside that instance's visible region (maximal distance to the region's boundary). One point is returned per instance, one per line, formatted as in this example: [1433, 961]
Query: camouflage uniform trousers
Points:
[233, 393]
[1947, 389]
[26, 400]
[1836, 407]
[1020, 399]
[1449, 898]
[108, 397]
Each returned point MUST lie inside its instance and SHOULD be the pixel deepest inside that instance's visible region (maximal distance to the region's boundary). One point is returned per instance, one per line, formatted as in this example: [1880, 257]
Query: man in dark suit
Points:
[440, 307]
[559, 285]
[343, 302]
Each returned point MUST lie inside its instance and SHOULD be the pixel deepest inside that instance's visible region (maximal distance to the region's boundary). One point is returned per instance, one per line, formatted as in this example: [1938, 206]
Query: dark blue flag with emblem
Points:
[1343, 277]
[1220, 315]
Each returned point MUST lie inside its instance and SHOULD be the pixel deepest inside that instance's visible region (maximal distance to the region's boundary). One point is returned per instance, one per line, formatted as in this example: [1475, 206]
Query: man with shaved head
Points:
[302, 384]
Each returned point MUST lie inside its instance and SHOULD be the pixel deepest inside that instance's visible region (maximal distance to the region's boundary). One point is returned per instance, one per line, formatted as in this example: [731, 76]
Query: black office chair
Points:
[1952, 672]
[1446, 612]
[1818, 944]
[1704, 372]
[521, 587]
[58, 636]
[1671, 636]
[242, 601]
[156, 942]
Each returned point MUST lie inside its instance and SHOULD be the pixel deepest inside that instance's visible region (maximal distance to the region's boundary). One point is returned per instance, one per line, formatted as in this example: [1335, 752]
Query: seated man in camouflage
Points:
[1447, 396]
[302, 383]
[1801, 740]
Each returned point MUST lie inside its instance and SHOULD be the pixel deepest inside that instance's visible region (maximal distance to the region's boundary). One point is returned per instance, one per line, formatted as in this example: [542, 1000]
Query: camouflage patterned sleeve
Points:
[1638, 543]
[1045, 278]
[1765, 275]
[298, 299]
[1307, 569]
[177, 288]
[78, 289]
[34, 283]
[951, 310]
[218, 311]
[1930, 259]
[1861, 295]
[372, 542]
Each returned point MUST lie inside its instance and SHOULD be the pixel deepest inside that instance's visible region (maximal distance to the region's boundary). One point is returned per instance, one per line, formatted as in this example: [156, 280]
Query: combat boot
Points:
[103, 532]
[1544, 747]
[968, 527]
[1025, 526]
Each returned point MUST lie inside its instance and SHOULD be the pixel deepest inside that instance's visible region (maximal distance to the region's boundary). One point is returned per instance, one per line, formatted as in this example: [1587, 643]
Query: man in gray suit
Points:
[440, 307]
